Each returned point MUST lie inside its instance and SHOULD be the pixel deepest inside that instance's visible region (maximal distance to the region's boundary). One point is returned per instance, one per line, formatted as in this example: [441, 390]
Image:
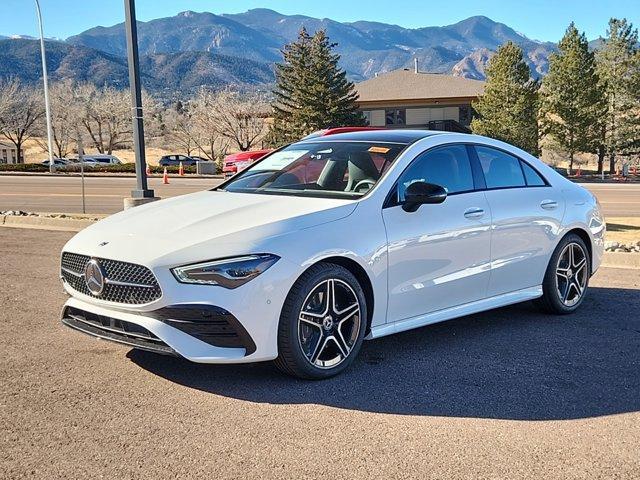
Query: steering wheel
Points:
[362, 183]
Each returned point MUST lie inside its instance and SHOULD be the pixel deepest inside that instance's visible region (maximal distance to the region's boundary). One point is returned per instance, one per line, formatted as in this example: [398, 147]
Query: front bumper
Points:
[119, 331]
[204, 324]
[152, 334]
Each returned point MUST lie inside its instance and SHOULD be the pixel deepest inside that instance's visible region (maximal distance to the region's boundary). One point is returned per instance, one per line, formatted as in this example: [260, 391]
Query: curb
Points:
[621, 260]
[48, 223]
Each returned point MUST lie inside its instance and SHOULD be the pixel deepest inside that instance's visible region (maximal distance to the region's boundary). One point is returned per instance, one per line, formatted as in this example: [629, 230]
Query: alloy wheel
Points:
[572, 273]
[329, 323]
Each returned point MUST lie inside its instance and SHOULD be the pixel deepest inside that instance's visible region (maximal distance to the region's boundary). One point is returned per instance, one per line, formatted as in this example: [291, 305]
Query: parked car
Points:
[237, 162]
[74, 164]
[174, 161]
[57, 162]
[276, 264]
[102, 159]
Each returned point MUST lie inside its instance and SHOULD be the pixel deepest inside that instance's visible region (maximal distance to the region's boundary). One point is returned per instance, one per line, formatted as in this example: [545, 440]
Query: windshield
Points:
[321, 169]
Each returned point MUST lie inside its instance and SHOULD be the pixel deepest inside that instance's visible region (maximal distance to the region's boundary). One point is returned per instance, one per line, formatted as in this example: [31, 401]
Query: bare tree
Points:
[23, 108]
[240, 119]
[8, 90]
[181, 129]
[65, 110]
[106, 116]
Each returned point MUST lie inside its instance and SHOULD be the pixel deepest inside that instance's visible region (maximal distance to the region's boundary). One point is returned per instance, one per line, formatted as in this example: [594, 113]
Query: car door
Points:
[527, 215]
[439, 255]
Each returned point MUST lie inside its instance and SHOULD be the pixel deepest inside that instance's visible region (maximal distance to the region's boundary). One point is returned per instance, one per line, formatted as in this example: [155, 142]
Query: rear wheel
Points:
[322, 323]
[567, 276]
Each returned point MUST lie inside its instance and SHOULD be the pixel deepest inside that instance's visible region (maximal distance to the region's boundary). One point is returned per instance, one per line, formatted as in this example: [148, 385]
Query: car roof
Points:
[403, 136]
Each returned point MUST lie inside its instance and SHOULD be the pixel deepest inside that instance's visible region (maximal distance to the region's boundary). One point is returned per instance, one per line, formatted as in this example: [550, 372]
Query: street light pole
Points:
[52, 167]
[142, 194]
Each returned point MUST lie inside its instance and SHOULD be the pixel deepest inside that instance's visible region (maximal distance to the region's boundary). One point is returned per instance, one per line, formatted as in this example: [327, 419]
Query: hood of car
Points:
[202, 226]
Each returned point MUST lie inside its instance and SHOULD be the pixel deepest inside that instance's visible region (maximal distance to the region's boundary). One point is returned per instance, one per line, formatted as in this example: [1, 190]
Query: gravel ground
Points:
[506, 394]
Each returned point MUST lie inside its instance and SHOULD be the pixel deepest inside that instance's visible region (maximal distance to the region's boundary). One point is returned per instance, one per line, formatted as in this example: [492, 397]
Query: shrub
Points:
[123, 168]
[23, 167]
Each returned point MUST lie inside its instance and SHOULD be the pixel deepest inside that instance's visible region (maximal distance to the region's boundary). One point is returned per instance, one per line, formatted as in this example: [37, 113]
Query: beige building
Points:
[8, 154]
[413, 99]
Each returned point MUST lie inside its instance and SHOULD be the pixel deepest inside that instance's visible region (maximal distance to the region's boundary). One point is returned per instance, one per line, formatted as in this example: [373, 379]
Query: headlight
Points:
[228, 273]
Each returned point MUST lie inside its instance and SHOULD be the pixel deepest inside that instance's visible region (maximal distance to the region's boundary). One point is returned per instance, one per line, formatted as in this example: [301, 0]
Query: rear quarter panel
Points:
[583, 211]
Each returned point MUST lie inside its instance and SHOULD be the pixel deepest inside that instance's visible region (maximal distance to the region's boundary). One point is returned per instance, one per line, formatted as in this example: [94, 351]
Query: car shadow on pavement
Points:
[510, 363]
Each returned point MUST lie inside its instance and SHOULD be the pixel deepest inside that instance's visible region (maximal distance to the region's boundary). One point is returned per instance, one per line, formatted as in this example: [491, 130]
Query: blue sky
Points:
[538, 19]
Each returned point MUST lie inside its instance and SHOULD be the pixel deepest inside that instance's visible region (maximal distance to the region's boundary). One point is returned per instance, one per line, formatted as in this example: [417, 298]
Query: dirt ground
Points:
[510, 393]
[623, 229]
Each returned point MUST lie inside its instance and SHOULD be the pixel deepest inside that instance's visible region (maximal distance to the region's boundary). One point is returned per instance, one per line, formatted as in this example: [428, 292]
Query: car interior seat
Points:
[361, 167]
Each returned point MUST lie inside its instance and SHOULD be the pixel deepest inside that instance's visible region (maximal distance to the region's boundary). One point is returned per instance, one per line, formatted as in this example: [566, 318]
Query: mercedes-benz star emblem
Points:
[94, 277]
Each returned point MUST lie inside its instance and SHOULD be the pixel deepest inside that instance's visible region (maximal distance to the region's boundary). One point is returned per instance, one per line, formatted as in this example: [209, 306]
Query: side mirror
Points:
[420, 193]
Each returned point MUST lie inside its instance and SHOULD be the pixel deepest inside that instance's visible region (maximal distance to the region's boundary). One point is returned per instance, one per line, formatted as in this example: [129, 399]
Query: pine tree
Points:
[508, 109]
[572, 99]
[311, 92]
[618, 65]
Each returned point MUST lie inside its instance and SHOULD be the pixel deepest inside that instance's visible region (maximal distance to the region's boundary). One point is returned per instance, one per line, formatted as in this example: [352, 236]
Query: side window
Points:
[533, 178]
[500, 169]
[447, 166]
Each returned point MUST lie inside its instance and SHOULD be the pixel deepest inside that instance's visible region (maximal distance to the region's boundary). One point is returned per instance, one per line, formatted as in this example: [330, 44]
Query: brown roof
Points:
[408, 85]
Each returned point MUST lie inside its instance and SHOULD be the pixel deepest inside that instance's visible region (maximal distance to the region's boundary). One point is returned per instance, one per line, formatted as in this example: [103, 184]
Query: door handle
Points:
[549, 204]
[474, 213]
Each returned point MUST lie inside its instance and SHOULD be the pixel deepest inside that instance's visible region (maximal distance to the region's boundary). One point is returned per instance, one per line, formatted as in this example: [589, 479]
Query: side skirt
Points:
[457, 311]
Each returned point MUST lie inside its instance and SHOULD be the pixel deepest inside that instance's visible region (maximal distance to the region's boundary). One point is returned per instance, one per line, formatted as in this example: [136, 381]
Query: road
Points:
[511, 393]
[105, 194]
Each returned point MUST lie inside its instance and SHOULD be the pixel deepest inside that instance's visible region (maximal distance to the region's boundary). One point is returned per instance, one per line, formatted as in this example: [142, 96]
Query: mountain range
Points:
[191, 49]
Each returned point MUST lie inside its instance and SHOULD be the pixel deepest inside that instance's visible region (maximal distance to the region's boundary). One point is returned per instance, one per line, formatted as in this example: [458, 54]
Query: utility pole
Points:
[142, 194]
[81, 160]
[52, 167]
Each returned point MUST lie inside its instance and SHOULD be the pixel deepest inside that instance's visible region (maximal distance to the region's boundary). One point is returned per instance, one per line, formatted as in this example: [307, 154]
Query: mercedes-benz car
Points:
[331, 241]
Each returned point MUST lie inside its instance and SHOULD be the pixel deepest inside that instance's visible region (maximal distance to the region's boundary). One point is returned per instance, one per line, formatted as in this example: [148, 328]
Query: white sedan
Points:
[331, 241]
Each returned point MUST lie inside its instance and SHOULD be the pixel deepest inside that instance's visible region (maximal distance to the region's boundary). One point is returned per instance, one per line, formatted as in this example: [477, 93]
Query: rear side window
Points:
[501, 170]
[533, 178]
[447, 166]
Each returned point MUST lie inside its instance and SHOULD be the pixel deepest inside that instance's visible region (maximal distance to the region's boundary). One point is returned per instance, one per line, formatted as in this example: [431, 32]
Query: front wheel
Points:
[322, 324]
[567, 277]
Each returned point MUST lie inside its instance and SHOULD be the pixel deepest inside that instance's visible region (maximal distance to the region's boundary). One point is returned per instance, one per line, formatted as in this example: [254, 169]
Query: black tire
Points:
[292, 360]
[551, 300]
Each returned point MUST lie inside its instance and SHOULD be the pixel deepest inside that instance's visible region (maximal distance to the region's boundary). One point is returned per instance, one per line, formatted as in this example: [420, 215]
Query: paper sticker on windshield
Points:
[280, 160]
[379, 150]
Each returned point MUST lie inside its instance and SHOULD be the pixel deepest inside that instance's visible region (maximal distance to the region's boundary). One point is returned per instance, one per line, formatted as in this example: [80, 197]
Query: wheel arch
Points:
[586, 238]
[363, 278]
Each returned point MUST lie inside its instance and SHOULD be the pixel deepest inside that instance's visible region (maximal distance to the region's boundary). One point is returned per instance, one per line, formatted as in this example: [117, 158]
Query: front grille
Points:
[126, 283]
[116, 330]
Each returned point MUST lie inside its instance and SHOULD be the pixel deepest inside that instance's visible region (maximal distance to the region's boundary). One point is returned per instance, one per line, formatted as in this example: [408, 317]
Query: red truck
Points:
[237, 162]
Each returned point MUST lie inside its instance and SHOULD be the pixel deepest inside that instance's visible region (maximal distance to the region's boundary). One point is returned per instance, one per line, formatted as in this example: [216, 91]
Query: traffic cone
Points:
[181, 170]
[165, 177]
[148, 170]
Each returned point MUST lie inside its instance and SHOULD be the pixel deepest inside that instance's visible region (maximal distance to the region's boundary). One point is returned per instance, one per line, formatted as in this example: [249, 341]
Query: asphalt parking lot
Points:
[509, 394]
